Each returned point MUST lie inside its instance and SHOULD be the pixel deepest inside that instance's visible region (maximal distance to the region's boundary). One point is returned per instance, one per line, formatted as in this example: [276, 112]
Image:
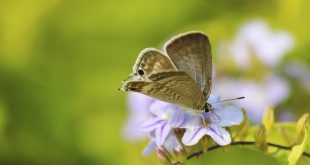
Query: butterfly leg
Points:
[218, 118]
[203, 120]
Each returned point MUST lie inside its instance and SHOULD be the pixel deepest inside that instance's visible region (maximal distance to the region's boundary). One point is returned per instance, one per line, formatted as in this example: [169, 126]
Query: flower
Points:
[138, 112]
[299, 71]
[286, 116]
[211, 123]
[196, 124]
[171, 144]
[166, 117]
[256, 38]
[257, 95]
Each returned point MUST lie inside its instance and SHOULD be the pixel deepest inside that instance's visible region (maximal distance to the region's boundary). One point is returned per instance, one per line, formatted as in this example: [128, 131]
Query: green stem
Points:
[200, 152]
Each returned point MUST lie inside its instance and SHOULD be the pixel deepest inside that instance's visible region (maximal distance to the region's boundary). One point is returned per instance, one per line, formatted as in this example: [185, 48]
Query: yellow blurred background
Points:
[61, 62]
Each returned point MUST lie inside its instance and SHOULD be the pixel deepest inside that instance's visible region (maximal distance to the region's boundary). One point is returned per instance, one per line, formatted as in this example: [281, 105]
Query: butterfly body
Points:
[181, 75]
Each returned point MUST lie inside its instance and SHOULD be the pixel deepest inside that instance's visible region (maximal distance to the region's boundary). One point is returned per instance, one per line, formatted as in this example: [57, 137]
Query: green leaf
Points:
[268, 119]
[298, 150]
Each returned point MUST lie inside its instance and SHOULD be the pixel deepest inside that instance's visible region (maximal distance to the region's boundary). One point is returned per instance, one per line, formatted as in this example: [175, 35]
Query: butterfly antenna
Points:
[238, 98]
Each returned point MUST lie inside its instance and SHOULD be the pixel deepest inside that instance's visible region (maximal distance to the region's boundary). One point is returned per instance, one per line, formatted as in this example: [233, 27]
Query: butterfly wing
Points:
[191, 53]
[171, 86]
[151, 61]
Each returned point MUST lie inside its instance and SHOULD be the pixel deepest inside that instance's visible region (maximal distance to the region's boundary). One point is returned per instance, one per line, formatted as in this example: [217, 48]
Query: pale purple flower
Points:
[258, 95]
[211, 123]
[197, 124]
[166, 116]
[171, 144]
[299, 71]
[286, 116]
[138, 111]
[256, 38]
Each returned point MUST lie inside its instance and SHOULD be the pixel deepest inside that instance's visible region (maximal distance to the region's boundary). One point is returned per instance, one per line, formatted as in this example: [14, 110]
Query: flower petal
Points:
[177, 118]
[151, 124]
[172, 143]
[138, 110]
[131, 132]
[218, 134]
[162, 133]
[213, 98]
[139, 103]
[190, 120]
[272, 49]
[192, 136]
[228, 116]
[159, 107]
[276, 89]
[149, 148]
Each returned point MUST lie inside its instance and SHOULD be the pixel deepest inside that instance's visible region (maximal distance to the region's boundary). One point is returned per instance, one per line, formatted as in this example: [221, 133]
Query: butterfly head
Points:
[207, 107]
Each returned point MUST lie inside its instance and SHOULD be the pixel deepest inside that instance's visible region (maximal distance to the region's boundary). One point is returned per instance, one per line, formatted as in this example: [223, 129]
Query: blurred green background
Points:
[61, 62]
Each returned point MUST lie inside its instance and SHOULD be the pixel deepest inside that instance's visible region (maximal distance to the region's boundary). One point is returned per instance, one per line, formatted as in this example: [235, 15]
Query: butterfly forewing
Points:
[191, 53]
[150, 61]
[171, 86]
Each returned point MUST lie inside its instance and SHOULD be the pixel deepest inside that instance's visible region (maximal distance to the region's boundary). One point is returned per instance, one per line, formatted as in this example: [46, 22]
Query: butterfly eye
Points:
[140, 72]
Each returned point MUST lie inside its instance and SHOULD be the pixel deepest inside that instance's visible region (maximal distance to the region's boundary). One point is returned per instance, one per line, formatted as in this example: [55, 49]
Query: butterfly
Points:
[181, 75]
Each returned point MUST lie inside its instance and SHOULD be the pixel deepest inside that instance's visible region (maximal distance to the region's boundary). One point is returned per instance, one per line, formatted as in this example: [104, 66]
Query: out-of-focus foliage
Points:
[268, 119]
[297, 151]
[61, 63]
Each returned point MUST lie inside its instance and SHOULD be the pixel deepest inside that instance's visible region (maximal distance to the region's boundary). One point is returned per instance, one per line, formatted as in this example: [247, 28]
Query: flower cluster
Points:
[172, 130]
[167, 120]
[257, 51]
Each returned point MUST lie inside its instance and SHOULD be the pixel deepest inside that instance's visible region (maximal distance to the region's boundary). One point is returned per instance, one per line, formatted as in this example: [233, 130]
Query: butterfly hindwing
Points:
[150, 61]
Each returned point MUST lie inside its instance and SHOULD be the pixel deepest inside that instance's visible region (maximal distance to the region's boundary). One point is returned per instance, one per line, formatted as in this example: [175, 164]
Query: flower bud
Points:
[302, 122]
[268, 119]
[179, 151]
[260, 138]
[163, 154]
[242, 130]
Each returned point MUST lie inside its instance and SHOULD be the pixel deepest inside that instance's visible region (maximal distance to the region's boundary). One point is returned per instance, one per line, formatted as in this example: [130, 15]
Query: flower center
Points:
[168, 115]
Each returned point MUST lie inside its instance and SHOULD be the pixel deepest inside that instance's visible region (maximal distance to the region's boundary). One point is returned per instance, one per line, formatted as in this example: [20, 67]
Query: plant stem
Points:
[200, 152]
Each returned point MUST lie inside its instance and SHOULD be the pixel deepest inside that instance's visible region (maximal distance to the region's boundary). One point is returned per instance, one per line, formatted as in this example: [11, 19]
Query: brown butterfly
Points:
[181, 75]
